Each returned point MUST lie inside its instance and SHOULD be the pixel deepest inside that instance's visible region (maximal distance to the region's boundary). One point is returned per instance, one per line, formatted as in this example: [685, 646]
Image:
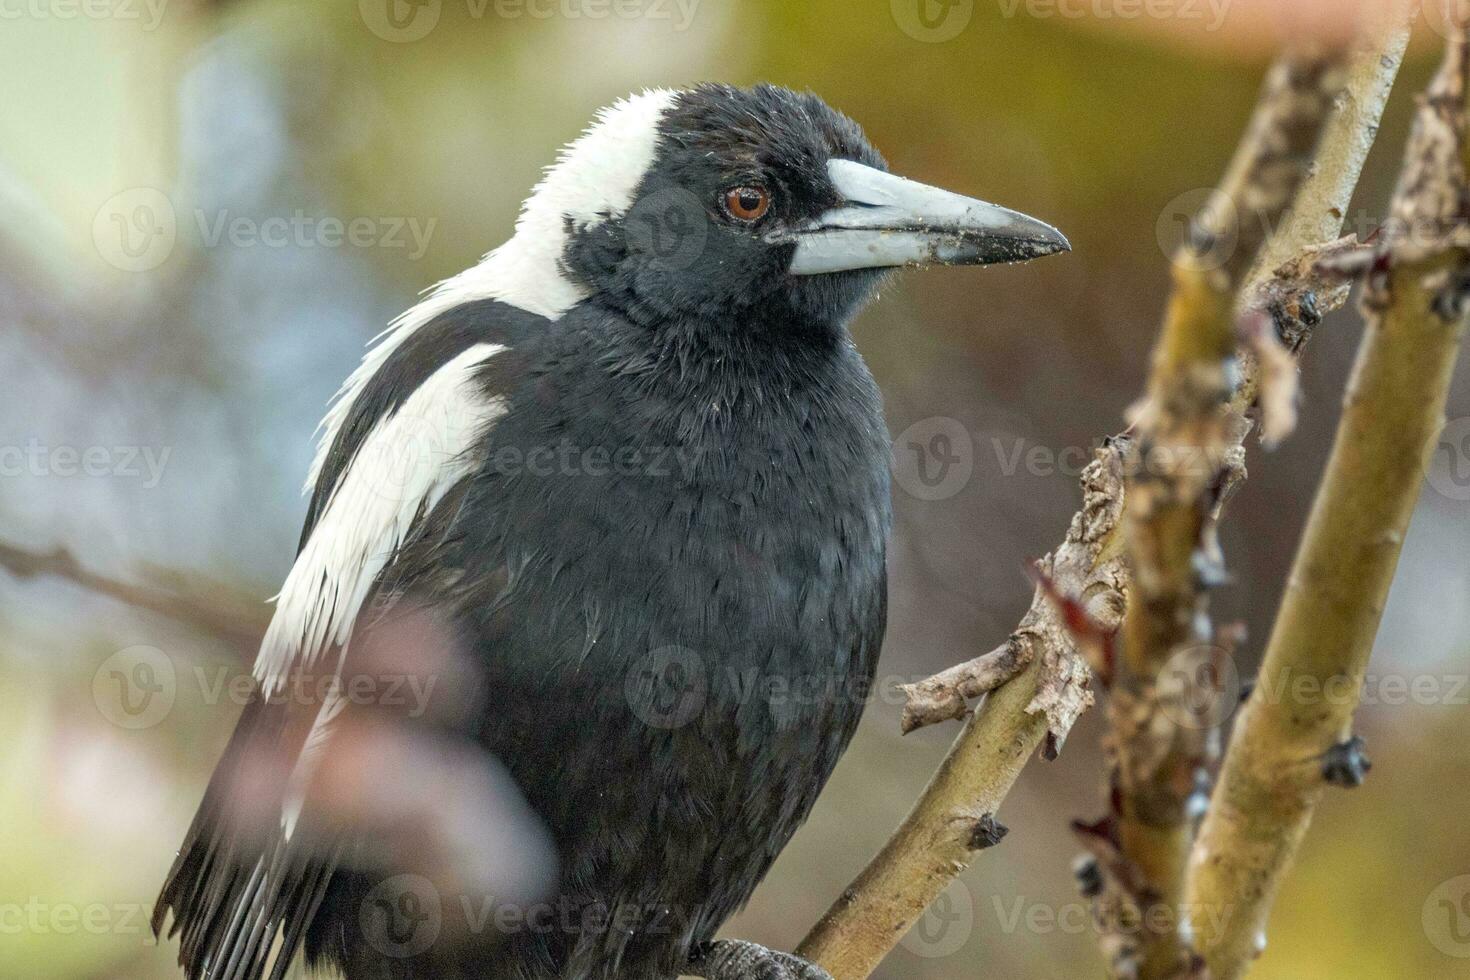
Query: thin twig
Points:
[945, 696]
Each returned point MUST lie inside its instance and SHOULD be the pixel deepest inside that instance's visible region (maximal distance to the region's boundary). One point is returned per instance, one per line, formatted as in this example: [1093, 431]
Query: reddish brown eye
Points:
[747, 203]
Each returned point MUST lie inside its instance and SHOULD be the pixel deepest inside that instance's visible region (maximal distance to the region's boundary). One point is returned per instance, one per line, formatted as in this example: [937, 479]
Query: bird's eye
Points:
[747, 203]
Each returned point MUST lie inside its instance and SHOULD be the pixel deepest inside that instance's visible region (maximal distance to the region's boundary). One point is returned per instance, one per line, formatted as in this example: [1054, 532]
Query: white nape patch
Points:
[404, 467]
[594, 178]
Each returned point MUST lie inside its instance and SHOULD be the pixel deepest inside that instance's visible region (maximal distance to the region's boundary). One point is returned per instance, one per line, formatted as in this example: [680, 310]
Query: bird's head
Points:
[717, 201]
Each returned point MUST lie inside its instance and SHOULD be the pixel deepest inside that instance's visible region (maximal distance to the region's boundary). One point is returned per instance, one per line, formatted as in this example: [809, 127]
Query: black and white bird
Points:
[633, 465]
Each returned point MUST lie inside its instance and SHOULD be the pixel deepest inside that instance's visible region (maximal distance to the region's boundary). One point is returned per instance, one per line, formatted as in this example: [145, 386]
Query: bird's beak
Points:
[889, 221]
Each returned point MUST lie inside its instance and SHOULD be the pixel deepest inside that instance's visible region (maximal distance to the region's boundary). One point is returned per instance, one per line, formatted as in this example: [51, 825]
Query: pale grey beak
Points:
[889, 221]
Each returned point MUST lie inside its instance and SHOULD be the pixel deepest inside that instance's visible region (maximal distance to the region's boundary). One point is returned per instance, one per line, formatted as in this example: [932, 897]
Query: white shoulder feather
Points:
[404, 467]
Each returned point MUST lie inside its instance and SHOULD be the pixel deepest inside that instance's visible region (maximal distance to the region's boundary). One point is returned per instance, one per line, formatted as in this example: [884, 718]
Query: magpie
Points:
[632, 465]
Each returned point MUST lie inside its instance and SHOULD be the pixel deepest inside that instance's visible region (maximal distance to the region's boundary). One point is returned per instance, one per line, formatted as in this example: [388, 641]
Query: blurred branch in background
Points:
[1289, 743]
[215, 609]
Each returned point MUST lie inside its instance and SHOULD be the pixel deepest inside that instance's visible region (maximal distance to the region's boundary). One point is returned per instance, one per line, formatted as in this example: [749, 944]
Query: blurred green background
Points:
[197, 360]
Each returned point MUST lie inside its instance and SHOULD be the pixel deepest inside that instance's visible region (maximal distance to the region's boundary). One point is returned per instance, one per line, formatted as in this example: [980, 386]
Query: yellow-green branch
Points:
[1273, 774]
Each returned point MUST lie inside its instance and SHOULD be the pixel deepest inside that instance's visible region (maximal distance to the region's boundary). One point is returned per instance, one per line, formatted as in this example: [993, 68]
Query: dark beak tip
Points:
[1054, 243]
[1025, 249]
[1051, 241]
[1057, 247]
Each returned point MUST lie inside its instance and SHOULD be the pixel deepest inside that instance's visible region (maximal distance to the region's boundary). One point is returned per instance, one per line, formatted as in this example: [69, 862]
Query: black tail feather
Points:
[232, 889]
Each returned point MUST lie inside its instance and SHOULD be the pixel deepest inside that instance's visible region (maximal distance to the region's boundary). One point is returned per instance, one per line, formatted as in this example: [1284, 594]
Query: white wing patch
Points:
[594, 178]
[404, 467]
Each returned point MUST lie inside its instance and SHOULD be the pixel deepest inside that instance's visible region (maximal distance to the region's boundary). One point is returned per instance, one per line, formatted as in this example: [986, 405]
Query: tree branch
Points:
[1041, 703]
[215, 609]
[1186, 460]
[929, 848]
[937, 839]
[1415, 304]
[1165, 743]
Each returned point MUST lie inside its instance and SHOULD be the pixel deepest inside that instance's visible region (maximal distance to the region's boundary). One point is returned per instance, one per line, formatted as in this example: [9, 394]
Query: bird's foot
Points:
[735, 959]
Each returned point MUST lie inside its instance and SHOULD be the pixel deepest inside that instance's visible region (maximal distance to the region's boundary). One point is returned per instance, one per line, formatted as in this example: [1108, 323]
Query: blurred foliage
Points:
[225, 356]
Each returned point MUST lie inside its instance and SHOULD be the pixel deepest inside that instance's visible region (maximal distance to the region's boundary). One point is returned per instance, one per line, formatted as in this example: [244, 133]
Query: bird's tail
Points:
[238, 881]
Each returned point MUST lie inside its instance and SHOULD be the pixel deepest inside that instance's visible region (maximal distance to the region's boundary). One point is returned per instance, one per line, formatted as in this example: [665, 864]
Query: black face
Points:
[735, 170]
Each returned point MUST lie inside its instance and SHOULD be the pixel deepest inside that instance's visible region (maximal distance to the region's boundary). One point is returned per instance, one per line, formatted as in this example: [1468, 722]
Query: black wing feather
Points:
[231, 893]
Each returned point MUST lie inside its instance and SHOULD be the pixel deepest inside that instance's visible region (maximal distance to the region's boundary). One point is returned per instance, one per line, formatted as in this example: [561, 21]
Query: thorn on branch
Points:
[1346, 764]
[987, 833]
[1452, 298]
[1100, 838]
[1089, 876]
